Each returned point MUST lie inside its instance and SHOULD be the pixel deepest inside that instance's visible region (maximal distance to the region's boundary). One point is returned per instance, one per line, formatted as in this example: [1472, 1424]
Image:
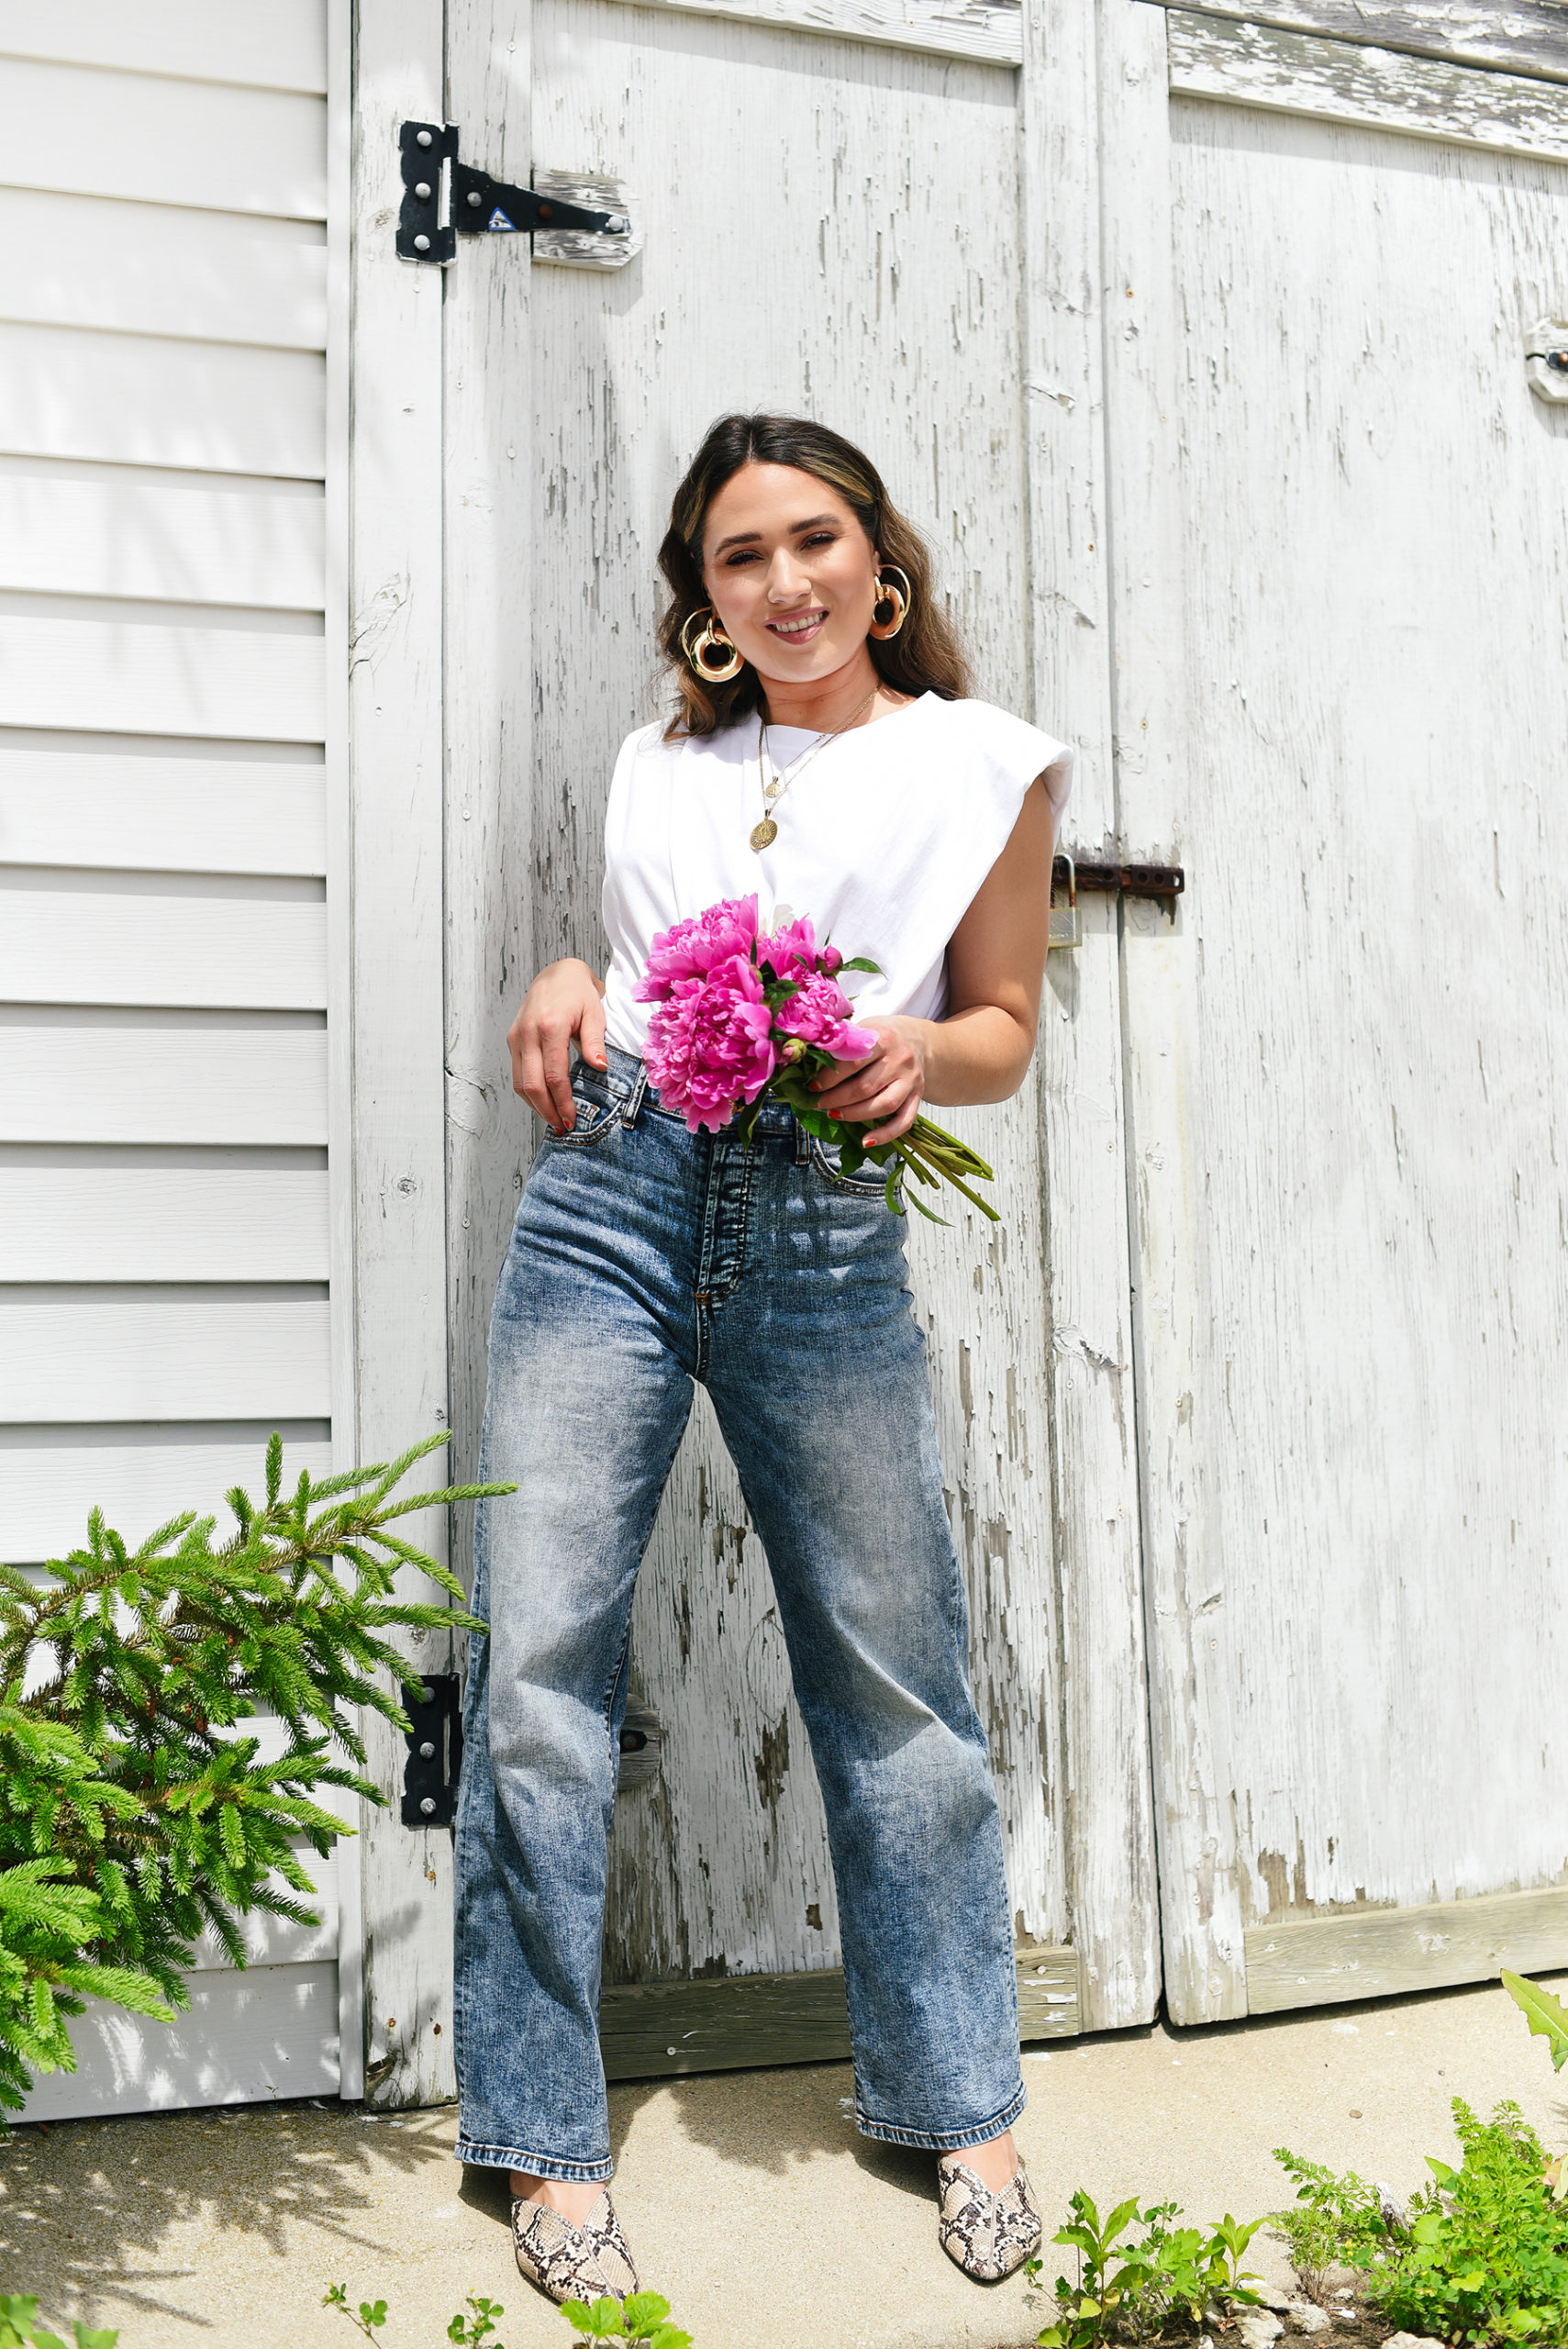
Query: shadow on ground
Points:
[88, 2209]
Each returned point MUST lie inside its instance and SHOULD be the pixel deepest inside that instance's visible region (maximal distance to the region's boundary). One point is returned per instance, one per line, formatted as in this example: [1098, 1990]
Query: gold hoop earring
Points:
[713, 656]
[891, 609]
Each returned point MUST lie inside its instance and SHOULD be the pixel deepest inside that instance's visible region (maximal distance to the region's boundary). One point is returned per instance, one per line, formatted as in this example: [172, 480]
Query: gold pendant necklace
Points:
[775, 785]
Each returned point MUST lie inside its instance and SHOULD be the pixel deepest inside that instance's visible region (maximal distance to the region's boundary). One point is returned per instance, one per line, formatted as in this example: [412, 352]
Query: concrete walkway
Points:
[748, 2197]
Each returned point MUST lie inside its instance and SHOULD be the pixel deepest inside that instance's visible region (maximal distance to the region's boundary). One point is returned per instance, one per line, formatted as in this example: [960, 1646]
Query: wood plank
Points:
[282, 48]
[85, 132]
[162, 1215]
[339, 926]
[1109, 1853]
[166, 940]
[146, 1076]
[1199, 1905]
[1363, 1637]
[82, 261]
[159, 807]
[397, 1107]
[205, 408]
[249, 2037]
[165, 536]
[1299, 73]
[489, 522]
[139, 1475]
[78, 1356]
[1389, 1953]
[666, 2029]
[988, 32]
[1531, 36]
[136, 675]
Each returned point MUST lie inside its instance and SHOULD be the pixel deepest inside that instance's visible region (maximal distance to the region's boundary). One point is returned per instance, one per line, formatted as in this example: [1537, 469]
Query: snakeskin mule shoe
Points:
[574, 2263]
[986, 2234]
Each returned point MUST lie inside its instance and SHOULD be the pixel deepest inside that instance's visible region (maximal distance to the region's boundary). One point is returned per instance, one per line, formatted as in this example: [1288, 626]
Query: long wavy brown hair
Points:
[926, 656]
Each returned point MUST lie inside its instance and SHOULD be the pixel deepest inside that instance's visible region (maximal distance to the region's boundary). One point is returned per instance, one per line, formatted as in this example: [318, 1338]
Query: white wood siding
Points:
[1345, 1054]
[166, 1219]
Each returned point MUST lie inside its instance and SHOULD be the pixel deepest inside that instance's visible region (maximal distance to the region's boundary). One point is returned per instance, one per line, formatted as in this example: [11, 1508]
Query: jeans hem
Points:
[945, 2141]
[533, 2164]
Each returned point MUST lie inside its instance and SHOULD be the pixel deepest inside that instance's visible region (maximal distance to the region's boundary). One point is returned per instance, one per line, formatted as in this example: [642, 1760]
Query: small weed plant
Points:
[642, 2322]
[1483, 2259]
[1334, 2221]
[1136, 2269]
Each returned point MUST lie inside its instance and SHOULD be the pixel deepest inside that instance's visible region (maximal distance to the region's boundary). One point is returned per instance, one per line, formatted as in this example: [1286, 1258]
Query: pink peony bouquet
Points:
[741, 1015]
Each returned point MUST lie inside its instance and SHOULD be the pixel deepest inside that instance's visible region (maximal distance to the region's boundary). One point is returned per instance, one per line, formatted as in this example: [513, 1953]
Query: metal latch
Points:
[1064, 930]
[435, 1752]
[1163, 881]
[443, 196]
[1546, 358]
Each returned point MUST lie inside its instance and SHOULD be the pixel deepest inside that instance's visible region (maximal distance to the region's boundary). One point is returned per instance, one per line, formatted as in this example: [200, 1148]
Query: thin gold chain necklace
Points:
[774, 784]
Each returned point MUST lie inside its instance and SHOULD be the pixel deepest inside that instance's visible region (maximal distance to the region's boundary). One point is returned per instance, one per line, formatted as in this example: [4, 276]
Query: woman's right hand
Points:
[564, 1001]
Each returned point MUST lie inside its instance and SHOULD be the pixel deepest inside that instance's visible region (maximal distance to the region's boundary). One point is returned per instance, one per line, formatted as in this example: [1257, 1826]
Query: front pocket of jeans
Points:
[595, 1117]
[869, 1185]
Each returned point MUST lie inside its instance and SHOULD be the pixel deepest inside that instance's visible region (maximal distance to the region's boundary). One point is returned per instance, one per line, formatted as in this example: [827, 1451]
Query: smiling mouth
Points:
[798, 627]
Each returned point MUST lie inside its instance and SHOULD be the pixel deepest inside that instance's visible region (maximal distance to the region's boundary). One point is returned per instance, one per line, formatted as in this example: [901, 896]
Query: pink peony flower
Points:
[692, 949]
[708, 1044]
[819, 1014]
[793, 950]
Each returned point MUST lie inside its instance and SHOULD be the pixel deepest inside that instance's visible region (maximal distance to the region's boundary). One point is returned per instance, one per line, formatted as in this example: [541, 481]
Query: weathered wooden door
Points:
[1342, 601]
[839, 214]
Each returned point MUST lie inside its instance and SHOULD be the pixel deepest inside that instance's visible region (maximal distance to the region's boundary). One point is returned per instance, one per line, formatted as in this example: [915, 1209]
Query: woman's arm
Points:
[996, 964]
[565, 1000]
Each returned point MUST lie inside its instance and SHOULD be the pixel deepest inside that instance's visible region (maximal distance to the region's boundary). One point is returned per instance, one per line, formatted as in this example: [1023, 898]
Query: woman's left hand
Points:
[887, 1086]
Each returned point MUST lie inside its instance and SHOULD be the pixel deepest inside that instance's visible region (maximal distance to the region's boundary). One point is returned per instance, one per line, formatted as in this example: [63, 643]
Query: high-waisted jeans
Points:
[643, 1258]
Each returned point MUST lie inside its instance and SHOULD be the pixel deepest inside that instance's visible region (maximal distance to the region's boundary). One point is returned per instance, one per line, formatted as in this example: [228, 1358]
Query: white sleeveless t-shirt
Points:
[884, 838]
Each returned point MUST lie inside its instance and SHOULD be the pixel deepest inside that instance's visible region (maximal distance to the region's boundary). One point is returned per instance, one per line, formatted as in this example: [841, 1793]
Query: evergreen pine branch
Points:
[136, 1810]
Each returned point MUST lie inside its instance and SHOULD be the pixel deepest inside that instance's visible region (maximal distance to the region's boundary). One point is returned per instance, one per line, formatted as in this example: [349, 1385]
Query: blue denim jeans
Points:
[644, 1258]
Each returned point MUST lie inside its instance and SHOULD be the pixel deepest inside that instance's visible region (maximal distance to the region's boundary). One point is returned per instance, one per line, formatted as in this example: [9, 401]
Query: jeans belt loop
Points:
[802, 1144]
[633, 1109]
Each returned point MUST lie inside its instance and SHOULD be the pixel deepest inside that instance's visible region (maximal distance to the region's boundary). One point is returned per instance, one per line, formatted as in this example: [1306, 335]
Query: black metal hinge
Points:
[435, 1752]
[442, 196]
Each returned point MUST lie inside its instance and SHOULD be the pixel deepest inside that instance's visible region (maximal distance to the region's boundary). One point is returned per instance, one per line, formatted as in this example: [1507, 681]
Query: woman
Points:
[826, 757]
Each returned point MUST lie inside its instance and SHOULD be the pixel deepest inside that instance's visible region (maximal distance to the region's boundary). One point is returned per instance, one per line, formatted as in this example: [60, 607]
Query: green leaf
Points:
[643, 2310]
[1117, 2219]
[1545, 2013]
[604, 2318]
[669, 2337]
[88, 2337]
[577, 2313]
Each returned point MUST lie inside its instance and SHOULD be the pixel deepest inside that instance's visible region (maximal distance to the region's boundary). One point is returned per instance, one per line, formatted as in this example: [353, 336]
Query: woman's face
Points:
[790, 573]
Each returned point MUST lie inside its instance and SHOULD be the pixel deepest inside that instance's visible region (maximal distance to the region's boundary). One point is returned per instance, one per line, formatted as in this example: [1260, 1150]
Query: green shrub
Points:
[1485, 2258]
[129, 1819]
[1487, 2254]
